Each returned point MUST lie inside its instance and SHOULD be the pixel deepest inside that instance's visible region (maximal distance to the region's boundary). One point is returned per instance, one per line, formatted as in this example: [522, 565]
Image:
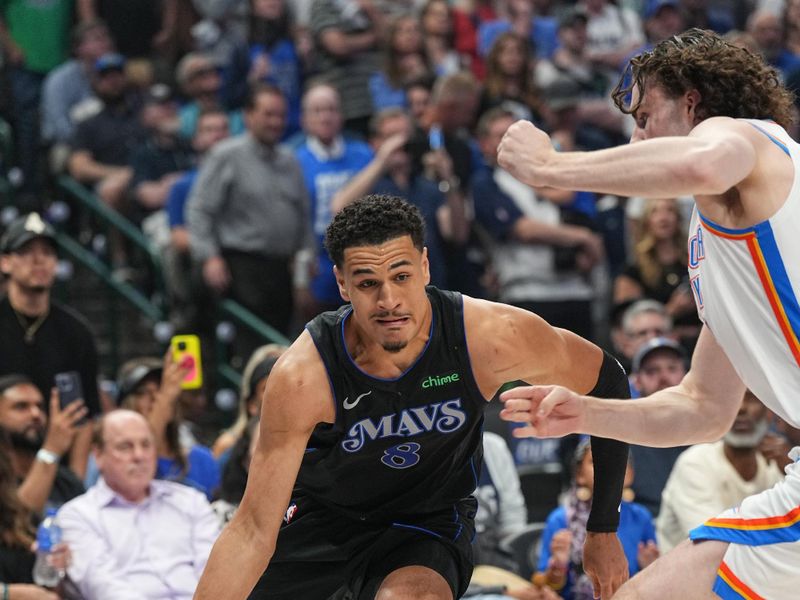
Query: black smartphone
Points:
[70, 389]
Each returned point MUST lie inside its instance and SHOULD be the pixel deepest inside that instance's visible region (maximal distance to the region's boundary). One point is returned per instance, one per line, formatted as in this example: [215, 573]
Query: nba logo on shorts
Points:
[290, 513]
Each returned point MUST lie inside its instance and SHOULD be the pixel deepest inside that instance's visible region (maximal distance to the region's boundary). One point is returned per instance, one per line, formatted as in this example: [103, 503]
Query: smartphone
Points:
[187, 348]
[70, 389]
[435, 139]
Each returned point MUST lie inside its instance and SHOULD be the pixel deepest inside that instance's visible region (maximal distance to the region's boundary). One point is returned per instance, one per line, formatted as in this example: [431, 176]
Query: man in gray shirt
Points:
[248, 215]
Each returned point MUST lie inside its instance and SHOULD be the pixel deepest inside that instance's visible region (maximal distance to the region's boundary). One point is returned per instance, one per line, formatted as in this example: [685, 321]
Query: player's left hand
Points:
[605, 563]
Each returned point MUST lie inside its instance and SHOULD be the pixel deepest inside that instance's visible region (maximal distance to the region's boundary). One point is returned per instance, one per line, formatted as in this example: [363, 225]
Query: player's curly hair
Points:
[373, 220]
[731, 80]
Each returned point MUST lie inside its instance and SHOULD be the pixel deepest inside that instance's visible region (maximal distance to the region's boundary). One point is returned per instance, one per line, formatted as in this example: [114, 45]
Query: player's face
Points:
[386, 286]
[659, 115]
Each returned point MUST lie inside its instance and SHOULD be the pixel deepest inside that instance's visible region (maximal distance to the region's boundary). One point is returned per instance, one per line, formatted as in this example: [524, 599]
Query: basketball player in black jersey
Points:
[371, 432]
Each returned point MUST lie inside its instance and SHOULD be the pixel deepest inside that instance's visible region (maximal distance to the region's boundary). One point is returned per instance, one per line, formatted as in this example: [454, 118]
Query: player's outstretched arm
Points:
[508, 344]
[700, 409]
[294, 402]
[716, 156]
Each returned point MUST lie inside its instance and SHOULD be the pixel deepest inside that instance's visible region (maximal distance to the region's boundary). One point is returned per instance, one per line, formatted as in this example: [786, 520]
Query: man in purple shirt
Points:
[133, 537]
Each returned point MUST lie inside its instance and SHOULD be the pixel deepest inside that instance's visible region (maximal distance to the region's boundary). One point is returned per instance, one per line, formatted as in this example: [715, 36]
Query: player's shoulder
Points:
[494, 317]
[727, 125]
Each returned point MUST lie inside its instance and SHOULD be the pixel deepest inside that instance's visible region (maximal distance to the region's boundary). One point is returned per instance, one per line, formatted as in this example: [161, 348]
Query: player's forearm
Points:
[240, 550]
[671, 417]
[359, 185]
[664, 167]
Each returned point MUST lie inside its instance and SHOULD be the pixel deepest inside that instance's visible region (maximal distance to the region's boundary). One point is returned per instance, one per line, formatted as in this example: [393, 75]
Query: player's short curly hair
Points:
[731, 80]
[373, 220]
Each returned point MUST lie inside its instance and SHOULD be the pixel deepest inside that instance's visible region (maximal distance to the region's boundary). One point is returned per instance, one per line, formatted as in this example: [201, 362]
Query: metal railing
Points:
[154, 307]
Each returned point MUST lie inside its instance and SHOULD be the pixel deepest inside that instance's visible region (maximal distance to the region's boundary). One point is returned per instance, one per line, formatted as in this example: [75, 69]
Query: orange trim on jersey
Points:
[737, 584]
[766, 282]
[772, 296]
[724, 234]
[787, 520]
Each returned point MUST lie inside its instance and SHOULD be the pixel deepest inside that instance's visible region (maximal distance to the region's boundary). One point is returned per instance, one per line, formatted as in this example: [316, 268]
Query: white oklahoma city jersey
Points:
[746, 283]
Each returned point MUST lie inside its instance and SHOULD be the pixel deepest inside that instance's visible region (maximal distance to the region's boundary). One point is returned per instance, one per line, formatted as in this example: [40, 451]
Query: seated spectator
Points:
[418, 98]
[639, 322]
[163, 157]
[234, 475]
[467, 17]
[561, 556]
[102, 144]
[17, 536]
[403, 61]
[70, 83]
[132, 536]
[509, 81]
[254, 381]
[703, 15]
[200, 81]
[709, 478]
[36, 446]
[436, 22]
[152, 388]
[658, 364]
[658, 268]
[540, 31]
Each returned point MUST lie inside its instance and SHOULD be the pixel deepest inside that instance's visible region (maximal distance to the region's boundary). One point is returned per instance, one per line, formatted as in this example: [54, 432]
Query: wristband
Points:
[47, 457]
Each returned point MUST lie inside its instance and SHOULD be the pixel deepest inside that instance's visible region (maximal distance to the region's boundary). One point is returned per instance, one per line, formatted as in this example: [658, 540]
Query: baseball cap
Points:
[110, 61]
[24, 229]
[562, 93]
[159, 93]
[653, 6]
[650, 346]
[134, 372]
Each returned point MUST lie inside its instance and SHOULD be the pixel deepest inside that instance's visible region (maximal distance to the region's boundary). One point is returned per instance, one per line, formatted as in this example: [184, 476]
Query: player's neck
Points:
[31, 303]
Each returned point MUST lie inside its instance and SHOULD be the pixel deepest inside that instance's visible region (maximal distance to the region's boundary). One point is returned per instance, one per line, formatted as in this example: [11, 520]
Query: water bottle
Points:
[47, 536]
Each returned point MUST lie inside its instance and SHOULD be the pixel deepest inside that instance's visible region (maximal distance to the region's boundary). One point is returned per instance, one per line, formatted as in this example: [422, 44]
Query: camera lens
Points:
[181, 345]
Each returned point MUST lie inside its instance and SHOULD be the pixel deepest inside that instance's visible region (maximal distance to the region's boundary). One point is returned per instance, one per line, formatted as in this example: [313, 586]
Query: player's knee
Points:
[414, 583]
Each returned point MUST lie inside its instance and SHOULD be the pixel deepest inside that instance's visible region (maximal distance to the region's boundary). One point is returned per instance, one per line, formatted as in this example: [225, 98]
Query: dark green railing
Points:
[155, 310]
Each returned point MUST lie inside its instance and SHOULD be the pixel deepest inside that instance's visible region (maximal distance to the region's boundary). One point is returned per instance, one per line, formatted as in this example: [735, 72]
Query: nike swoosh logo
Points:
[348, 405]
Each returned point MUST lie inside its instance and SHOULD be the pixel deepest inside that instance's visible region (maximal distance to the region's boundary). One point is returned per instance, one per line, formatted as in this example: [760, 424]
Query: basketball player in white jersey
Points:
[709, 122]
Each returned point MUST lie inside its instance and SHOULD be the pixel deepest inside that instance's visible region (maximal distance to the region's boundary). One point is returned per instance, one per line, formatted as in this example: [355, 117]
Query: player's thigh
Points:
[688, 572]
[414, 583]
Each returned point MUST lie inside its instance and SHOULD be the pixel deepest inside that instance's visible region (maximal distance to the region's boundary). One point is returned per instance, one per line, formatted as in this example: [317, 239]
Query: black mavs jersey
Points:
[405, 446]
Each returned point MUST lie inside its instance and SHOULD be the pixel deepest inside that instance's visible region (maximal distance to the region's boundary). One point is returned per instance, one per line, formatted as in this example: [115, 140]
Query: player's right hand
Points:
[546, 410]
[523, 150]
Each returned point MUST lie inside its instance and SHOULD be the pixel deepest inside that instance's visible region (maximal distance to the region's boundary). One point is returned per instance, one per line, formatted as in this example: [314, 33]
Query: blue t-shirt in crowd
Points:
[202, 471]
[635, 525]
[544, 35]
[494, 210]
[324, 176]
[284, 72]
[384, 94]
[177, 197]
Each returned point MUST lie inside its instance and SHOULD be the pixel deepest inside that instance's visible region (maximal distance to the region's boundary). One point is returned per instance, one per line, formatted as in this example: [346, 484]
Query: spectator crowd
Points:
[230, 133]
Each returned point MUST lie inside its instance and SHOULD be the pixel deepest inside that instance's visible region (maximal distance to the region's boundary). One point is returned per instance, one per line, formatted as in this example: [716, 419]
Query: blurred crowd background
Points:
[170, 166]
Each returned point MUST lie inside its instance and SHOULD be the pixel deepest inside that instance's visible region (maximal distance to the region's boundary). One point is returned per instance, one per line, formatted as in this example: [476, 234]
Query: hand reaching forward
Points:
[547, 410]
[523, 150]
[605, 563]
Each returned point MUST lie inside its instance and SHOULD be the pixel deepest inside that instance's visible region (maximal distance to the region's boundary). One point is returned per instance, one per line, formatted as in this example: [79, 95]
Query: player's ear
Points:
[693, 99]
[340, 282]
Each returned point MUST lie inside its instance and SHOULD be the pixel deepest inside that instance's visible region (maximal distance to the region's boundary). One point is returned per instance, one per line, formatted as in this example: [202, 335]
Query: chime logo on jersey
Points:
[445, 417]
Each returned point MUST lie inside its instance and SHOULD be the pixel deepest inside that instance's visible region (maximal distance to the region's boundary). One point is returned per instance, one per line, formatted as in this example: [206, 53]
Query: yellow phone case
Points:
[188, 345]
